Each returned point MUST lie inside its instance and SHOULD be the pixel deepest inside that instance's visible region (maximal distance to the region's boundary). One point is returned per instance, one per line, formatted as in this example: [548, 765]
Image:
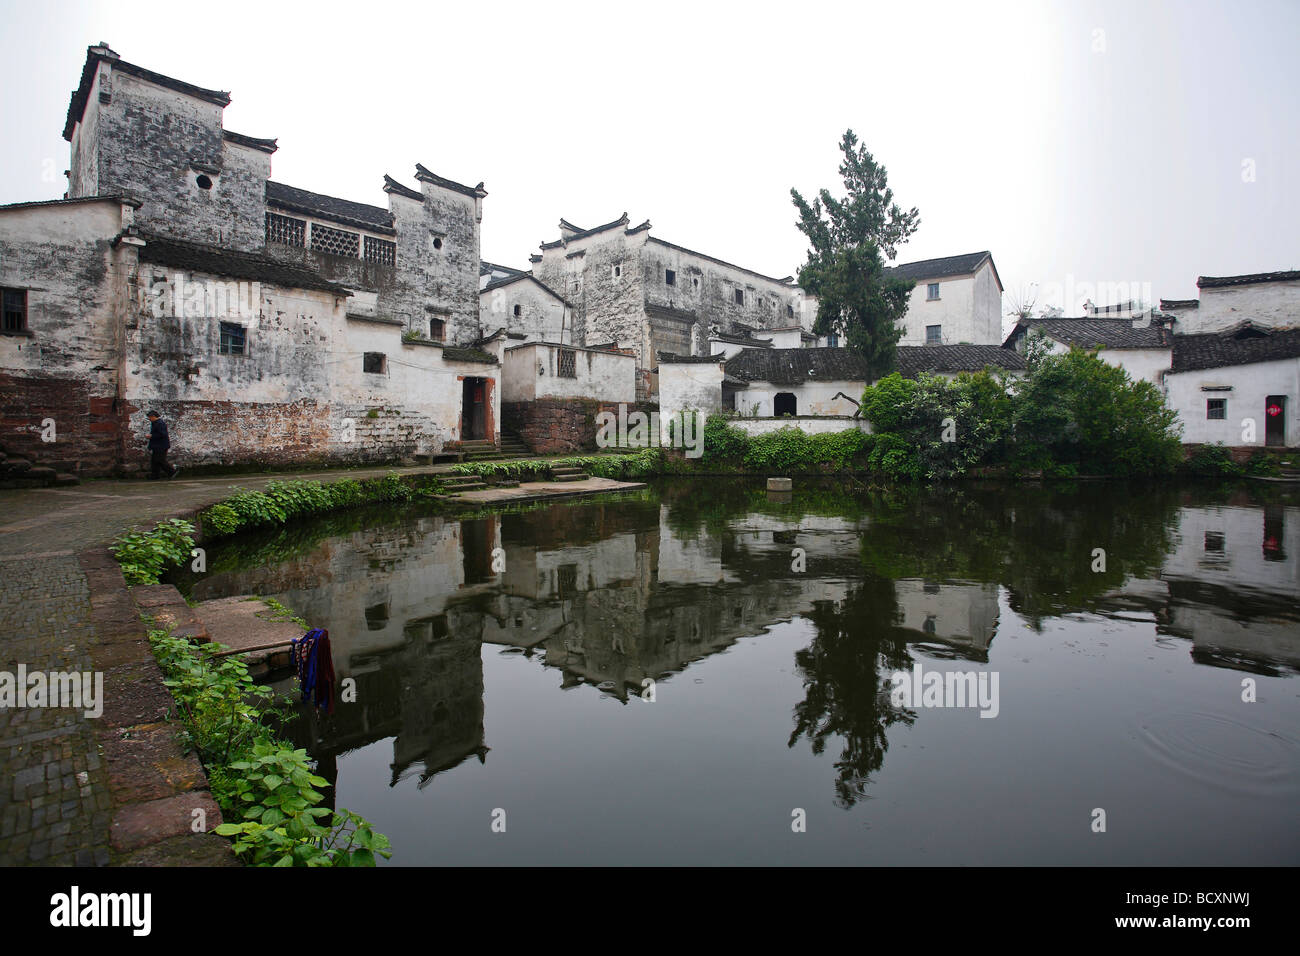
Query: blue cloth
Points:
[311, 654]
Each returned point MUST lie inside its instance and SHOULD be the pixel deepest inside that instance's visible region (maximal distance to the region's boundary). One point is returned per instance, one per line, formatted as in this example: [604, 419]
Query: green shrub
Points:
[1211, 461]
[1262, 465]
[145, 555]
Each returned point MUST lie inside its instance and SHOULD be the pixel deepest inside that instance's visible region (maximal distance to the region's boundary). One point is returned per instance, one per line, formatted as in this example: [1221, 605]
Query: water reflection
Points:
[611, 593]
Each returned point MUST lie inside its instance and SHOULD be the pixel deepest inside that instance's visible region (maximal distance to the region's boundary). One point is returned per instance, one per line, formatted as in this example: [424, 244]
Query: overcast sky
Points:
[1136, 142]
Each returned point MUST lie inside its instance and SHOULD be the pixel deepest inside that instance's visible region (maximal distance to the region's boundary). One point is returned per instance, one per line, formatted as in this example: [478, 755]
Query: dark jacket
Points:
[158, 439]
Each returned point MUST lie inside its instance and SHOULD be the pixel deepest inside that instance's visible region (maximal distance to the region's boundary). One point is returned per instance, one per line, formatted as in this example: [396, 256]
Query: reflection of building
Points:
[959, 615]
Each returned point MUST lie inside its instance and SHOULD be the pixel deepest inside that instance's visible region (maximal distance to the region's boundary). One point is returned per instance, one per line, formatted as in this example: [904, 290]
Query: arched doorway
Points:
[783, 403]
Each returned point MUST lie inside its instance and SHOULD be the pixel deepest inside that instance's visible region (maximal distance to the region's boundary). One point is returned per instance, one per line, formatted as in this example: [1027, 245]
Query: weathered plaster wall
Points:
[1275, 304]
[531, 371]
[66, 367]
[810, 426]
[540, 315]
[148, 140]
[811, 398]
[690, 385]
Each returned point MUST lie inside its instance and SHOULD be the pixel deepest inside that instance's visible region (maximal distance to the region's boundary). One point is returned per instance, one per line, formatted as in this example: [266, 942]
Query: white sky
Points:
[1003, 122]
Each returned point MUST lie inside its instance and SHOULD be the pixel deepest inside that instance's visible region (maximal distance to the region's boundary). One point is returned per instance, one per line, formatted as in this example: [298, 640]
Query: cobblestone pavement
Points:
[55, 802]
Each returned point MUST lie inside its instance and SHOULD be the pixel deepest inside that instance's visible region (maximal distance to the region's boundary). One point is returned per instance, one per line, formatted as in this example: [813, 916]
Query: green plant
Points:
[1262, 465]
[145, 555]
[282, 613]
[1212, 461]
[228, 720]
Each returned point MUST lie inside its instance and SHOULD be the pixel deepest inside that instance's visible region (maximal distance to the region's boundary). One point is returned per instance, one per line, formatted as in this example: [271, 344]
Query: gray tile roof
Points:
[1218, 350]
[1215, 282]
[913, 359]
[1088, 333]
[796, 366]
[227, 263]
[374, 218]
[940, 268]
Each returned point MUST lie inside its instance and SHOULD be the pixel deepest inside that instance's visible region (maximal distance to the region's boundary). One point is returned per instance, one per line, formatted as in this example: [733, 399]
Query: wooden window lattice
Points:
[336, 242]
[568, 366]
[285, 230]
[380, 251]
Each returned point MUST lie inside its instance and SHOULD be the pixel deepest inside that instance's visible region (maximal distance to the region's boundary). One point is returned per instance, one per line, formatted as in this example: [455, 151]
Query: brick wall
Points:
[87, 427]
[552, 426]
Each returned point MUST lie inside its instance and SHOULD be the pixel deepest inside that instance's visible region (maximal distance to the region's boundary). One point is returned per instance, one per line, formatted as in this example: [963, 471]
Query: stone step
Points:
[63, 478]
[472, 486]
[42, 473]
[456, 480]
[578, 477]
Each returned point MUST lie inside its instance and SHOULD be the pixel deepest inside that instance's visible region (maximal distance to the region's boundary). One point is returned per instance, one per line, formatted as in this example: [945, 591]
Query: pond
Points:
[706, 673]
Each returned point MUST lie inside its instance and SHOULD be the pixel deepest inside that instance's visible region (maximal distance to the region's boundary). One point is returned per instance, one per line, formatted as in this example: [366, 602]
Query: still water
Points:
[703, 673]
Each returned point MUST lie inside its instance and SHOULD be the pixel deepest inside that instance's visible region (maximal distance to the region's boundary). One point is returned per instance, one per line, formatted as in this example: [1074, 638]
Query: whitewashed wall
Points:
[1250, 384]
[1275, 304]
[811, 398]
[690, 385]
[969, 309]
[531, 373]
[809, 426]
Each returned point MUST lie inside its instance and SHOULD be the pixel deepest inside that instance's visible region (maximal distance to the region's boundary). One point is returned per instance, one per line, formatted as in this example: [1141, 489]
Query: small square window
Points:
[233, 339]
[437, 330]
[789, 311]
[1216, 408]
[833, 340]
[670, 277]
[519, 310]
[568, 365]
[617, 270]
[934, 335]
[374, 363]
[932, 291]
[1214, 541]
[740, 296]
[14, 310]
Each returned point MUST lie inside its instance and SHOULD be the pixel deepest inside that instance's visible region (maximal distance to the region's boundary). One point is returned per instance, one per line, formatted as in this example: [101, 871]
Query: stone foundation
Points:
[551, 426]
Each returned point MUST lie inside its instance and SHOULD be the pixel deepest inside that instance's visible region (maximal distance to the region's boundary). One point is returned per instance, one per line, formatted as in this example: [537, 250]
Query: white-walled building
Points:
[1237, 389]
[1269, 299]
[957, 300]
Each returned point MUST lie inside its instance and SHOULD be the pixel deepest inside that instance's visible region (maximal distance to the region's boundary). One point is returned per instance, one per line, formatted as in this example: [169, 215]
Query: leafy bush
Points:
[1074, 409]
[145, 555]
[220, 519]
[1263, 465]
[1211, 461]
[938, 428]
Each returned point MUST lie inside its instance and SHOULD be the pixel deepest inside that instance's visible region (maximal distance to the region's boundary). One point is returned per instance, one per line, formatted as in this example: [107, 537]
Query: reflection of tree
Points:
[847, 671]
[1037, 541]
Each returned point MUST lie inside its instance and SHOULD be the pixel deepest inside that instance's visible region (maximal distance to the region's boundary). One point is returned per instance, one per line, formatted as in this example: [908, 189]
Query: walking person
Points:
[159, 442]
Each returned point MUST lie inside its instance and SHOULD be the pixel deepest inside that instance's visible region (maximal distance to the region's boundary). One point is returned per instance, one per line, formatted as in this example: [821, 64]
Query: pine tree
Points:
[850, 240]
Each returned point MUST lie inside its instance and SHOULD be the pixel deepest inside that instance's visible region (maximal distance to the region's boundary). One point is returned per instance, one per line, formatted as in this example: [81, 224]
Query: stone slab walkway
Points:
[114, 789]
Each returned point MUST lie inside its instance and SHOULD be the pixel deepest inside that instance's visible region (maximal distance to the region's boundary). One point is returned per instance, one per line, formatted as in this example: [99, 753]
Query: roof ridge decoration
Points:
[253, 142]
[424, 175]
[583, 234]
[391, 185]
[103, 53]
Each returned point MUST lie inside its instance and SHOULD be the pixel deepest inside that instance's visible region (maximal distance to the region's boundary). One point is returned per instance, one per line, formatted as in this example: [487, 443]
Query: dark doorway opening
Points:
[473, 414]
[784, 404]
[1275, 420]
